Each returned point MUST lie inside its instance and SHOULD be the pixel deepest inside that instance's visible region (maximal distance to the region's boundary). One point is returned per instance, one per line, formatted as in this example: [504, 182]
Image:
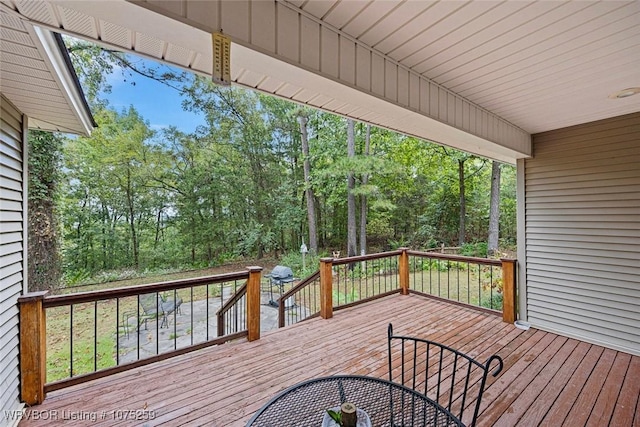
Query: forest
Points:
[261, 177]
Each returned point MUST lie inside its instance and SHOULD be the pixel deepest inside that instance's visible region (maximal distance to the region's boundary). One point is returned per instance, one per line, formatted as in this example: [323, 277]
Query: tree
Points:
[494, 210]
[311, 207]
[351, 198]
[363, 197]
[108, 182]
[463, 201]
[44, 268]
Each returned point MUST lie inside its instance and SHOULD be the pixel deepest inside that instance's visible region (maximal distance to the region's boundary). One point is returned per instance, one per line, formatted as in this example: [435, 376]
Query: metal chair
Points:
[453, 379]
[155, 305]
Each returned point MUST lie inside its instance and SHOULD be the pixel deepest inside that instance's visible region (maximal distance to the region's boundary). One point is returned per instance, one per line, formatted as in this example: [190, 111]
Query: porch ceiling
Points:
[533, 66]
[35, 78]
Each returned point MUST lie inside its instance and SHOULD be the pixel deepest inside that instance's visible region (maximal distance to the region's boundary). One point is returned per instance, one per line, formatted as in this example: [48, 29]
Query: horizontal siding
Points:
[11, 251]
[582, 228]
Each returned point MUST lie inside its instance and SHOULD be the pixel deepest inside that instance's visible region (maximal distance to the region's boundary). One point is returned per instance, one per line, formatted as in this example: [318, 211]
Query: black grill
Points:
[278, 277]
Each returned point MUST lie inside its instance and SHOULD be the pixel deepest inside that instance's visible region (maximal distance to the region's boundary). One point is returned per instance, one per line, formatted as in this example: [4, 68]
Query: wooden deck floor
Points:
[548, 379]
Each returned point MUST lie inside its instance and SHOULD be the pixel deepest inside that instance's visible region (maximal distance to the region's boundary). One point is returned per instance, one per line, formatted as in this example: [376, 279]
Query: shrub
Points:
[493, 302]
[478, 249]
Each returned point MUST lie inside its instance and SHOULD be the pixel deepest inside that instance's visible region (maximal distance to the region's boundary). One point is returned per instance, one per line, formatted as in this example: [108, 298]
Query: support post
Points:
[253, 303]
[509, 304]
[403, 267]
[326, 288]
[33, 347]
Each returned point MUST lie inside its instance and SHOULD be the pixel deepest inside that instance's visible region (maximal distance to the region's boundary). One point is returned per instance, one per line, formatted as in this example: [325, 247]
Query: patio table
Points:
[386, 404]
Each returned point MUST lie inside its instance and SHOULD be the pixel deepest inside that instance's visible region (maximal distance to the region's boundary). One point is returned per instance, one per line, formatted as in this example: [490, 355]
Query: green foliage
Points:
[474, 249]
[293, 260]
[137, 200]
[433, 264]
[346, 297]
[492, 301]
[335, 416]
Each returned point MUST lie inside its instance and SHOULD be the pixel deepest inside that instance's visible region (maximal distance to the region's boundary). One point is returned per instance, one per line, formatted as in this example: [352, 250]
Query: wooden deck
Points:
[547, 380]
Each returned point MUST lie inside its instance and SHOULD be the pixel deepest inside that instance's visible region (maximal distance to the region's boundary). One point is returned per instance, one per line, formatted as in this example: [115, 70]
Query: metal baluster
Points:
[71, 341]
[138, 326]
[118, 331]
[95, 336]
[491, 286]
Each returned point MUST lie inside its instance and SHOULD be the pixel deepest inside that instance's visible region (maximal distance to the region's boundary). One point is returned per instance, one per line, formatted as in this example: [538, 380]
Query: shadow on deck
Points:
[548, 379]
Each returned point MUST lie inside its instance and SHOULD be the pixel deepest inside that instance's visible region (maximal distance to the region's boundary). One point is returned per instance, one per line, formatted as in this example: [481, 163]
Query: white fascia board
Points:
[56, 62]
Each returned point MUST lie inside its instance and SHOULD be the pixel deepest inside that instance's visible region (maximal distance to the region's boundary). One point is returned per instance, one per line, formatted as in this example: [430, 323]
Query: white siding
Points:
[11, 251]
[582, 229]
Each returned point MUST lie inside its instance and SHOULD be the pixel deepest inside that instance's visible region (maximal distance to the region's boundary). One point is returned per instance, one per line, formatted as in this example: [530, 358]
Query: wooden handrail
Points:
[461, 258]
[349, 260]
[129, 291]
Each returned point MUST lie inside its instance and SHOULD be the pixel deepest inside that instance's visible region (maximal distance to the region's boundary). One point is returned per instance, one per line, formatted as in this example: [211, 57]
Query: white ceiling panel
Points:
[360, 23]
[320, 8]
[393, 22]
[344, 11]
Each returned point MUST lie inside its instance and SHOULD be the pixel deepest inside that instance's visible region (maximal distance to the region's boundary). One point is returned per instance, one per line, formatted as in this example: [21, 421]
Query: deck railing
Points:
[240, 315]
[89, 335]
[300, 302]
[231, 316]
[473, 281]
[343, 282]
[78, 337]
[354, 280]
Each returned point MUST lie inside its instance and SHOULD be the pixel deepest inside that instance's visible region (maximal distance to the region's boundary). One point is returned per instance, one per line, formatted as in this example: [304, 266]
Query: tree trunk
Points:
[351, 199]
[132, 220]
[158, 226]
[311, 206]
[363, 198]
[463, 203]
[494, 210]
[44, 266]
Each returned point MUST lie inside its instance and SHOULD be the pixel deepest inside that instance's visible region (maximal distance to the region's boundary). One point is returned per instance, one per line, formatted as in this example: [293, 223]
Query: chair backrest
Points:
[453, 379]
[150, 303]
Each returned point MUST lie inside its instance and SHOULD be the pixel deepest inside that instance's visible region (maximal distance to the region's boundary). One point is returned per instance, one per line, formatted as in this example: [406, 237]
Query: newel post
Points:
[326, 288]
[509, 305]
[33, 347]
[403, 270]
[253, 303]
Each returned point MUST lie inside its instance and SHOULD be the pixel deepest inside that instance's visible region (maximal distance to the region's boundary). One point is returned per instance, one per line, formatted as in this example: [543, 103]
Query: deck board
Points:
[547, 379]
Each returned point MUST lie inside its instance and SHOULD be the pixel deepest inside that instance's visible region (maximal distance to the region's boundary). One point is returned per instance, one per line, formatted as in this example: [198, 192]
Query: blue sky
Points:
[160, 105]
